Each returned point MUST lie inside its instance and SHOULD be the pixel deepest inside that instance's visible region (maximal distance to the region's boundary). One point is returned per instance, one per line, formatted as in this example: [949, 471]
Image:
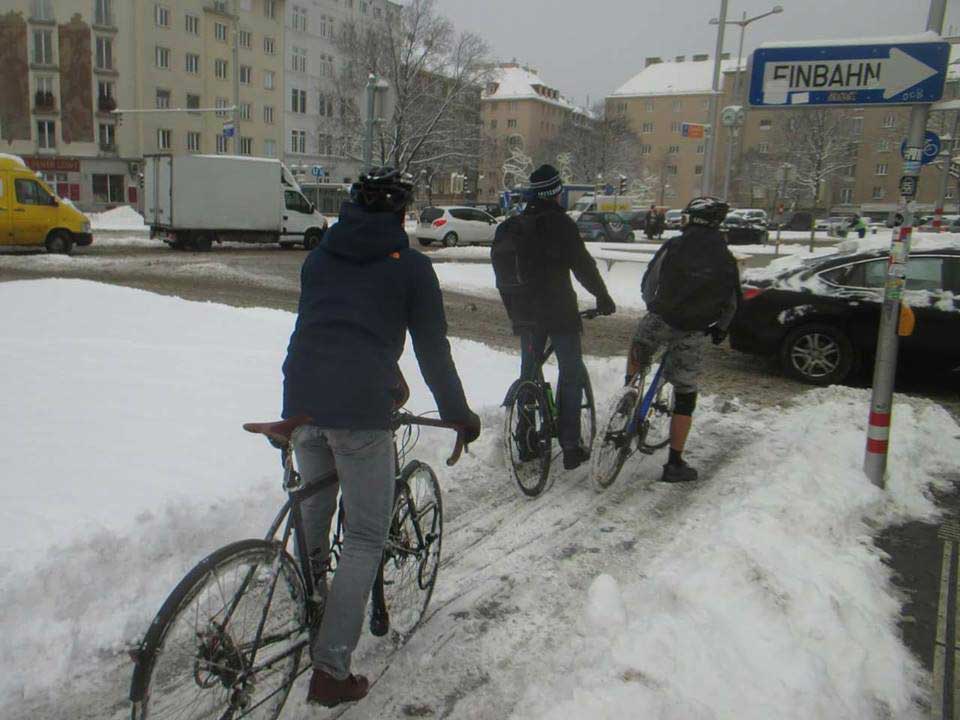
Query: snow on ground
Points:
[756, 593]
[123, 217]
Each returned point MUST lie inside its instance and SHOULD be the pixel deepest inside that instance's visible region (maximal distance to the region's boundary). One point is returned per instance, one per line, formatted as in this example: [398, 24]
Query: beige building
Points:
[519, 114]
[67, 64]
[665, 95]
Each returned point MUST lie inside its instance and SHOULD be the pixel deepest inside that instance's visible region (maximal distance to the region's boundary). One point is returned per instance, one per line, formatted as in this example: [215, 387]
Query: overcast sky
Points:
[591, 47]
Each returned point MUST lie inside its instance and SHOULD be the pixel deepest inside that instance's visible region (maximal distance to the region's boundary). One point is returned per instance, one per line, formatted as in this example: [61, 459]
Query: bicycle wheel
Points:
[528, 438]
[614, 446]
[411, 557]
[588, 416]
[195, 661]
[655, 430]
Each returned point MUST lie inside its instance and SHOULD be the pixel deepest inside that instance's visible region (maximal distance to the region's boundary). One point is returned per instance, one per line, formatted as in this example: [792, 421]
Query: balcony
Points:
[44, 102]
[106, 103]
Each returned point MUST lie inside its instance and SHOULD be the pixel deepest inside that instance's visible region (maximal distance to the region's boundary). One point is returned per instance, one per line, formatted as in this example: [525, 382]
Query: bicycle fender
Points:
[512, 393]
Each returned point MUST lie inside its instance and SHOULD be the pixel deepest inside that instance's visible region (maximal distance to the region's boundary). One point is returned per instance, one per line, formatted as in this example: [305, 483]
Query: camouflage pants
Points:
[683, 364]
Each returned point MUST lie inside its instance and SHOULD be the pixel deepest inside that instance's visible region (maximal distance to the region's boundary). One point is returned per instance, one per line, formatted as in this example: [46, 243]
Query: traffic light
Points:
[623, 185]
[466, 185]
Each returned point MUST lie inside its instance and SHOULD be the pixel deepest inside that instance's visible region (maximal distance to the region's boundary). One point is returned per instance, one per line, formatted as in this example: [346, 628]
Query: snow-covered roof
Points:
[692, 77]
[514, 82]
[16, 158]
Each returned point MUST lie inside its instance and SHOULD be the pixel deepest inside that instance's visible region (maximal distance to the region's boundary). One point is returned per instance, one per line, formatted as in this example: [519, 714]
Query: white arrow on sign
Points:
[895, 74]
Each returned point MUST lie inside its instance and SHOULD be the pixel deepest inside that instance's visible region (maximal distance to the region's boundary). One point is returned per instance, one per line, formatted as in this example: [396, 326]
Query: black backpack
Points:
[697, 277]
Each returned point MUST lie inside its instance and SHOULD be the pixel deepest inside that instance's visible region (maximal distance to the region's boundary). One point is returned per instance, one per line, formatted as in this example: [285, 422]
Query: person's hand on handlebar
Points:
[471, 427]
[605, 305]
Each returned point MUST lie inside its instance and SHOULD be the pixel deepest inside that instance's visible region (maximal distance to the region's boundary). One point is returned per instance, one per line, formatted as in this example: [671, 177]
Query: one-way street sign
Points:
[896, 71]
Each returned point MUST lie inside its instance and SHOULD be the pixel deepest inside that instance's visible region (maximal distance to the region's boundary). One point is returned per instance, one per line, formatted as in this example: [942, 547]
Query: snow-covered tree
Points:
[595, 145]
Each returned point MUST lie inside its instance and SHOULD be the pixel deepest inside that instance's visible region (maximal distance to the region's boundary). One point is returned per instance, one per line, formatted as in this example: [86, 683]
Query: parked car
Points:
[951, 223]
[739, 230]
[753, 215]
[636, 219]
[453, 226]
[821, 316]
[603, 227]
[798, 221]
[36, 217]
[673, 219]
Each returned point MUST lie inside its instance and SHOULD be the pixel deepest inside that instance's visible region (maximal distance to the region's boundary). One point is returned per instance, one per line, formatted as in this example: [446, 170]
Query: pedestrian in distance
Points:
[650, 220]
[691, 289]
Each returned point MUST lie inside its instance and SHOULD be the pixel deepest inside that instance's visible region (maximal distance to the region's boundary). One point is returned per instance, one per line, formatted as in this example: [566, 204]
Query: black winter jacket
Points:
[548, 254]
[361, 289]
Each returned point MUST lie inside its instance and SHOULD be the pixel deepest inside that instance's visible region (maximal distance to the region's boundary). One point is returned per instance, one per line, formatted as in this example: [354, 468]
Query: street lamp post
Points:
[732, 139]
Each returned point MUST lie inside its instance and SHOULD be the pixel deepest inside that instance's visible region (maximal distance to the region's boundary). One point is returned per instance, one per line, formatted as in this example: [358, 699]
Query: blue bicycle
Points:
[639, 422]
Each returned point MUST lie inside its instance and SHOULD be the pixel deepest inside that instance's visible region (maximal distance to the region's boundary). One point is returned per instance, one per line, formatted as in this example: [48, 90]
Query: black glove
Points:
[605, 305]
[717, 335]
[471, 427]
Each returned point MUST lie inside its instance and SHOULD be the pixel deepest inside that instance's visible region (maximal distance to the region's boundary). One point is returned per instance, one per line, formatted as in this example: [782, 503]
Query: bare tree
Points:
[431, 120]
[597, 145]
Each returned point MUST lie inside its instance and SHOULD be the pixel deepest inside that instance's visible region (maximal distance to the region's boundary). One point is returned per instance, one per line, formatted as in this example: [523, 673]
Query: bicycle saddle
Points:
[278, 432]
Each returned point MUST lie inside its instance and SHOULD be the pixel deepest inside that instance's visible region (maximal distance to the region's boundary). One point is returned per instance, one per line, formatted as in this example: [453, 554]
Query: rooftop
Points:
[687, 77]
[512, 81]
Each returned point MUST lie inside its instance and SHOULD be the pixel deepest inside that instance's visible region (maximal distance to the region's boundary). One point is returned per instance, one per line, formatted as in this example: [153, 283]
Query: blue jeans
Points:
[366, 470]
[572, 376]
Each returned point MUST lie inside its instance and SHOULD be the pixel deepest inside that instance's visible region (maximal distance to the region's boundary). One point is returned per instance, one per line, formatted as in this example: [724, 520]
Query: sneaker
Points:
[679, 473]
[326, 690]
[575, 457]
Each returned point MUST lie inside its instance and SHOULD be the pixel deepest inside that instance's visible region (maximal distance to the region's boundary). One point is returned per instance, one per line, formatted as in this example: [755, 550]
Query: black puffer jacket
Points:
[548, 255]
[361, 289]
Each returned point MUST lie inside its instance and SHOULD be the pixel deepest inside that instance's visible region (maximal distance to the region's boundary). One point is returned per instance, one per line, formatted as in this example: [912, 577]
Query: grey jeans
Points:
[686, 351]
[366, 470]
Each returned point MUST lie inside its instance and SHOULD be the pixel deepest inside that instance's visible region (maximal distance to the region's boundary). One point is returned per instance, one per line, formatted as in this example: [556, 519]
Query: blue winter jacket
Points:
[361, 290]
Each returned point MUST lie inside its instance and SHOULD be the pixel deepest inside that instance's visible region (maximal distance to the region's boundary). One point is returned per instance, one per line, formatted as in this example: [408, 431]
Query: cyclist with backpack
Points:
[691, 289]
[533, 255]
[362, 289]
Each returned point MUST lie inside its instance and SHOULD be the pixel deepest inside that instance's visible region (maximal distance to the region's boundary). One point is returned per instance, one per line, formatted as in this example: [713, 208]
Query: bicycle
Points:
[532, 422]
[228, 640]
[639, 422]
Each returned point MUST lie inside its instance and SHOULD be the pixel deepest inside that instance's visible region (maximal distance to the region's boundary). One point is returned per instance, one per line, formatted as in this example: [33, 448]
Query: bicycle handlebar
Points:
[590, 314]
[458, 448]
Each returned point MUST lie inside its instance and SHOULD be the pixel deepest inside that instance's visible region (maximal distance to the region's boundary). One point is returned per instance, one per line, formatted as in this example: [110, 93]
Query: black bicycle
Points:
[532, 422]
[227, 642]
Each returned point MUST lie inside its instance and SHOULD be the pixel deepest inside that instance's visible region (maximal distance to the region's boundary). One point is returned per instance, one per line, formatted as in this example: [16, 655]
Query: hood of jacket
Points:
[363, 236]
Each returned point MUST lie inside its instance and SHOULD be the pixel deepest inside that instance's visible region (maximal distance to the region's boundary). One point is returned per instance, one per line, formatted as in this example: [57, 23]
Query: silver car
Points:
[452, 226]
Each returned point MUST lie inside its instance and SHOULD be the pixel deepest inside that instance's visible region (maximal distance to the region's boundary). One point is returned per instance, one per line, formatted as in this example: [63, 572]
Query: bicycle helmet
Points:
[706, 210]
[383, 189]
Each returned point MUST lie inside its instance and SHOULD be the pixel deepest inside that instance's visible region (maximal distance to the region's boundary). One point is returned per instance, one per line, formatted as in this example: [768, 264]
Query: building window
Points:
[269, 79]
[298, 141]
[890, 121]
[325, 106]
[646, 149]
[763, 148]
[105, 97]
[41, 10]
[846, 196]
[673, 150]
[270, 148]
[103, 13]
[647, 127]
[883, 146]
[268, 114]
[676, 106]
[878, 192]
[193, 102]
[46, 134]
[44, 98]
[700, 149]
[270, 9]
[511, 123]
[493, 124]
[675, 126]
[104, 53]
[246, 5]
[299, 18]
[648, 106]
[766, 124]
[193, 64]
[246, 39]
[193, 24]
[246, 109]
[881, 169]
[43, 47]
[298, 100]
[672, 169]
[221, 69]
[220, 32]
[377, 12]
[269, 46]
[163, 99]
[108, 136]
[221, 144]
[246, 75]
[164, 139]
[222, 103]
[161, 16]
[246, 146]
[326, 66]
[363, 7]
[299, 60]
[698, 169]
[108, 188]
[163, 57]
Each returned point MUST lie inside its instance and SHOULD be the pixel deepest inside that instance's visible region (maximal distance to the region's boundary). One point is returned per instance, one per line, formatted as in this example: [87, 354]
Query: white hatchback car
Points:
[456, 226]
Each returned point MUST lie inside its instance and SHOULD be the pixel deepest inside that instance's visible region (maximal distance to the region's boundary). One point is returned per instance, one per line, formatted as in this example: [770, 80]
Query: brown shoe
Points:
[330, 692]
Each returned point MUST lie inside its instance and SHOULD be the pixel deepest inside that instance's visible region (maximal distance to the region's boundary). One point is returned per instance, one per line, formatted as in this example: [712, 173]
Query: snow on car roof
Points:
[677, 78]
[16, 158]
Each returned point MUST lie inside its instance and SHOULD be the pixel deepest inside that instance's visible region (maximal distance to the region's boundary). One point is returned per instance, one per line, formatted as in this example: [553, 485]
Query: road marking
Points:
[940, 645]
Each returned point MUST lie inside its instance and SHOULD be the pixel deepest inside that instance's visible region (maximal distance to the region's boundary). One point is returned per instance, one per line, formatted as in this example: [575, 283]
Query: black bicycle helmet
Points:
[709, 211]
[383, 189]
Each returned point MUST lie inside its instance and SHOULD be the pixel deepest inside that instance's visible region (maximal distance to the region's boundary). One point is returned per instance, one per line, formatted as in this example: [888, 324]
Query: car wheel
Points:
[202, 242]
[451, 239]
[59, 242]
[817, 354]
[425, 241]
[311, 239]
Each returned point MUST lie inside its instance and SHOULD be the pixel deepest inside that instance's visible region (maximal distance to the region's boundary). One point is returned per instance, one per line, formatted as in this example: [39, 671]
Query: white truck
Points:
[192, 201]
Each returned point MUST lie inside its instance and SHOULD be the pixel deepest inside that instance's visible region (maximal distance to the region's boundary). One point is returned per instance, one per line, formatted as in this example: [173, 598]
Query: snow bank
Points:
[772, 600]
[123, 217]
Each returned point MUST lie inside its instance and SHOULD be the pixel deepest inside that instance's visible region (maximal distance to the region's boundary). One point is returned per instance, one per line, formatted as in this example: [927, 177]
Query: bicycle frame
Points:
[643, 409]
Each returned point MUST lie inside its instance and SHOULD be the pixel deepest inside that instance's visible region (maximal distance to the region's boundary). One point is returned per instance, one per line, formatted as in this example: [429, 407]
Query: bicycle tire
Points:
[529, 415]
[175, 661]
[411, 557]
[614, 446]
[655, 430]
[588, 414]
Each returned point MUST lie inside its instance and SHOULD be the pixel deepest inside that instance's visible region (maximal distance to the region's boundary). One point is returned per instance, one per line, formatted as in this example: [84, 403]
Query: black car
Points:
[821, 316]
[798, 221]
[636, 219]
[603, 227]
[740, 231]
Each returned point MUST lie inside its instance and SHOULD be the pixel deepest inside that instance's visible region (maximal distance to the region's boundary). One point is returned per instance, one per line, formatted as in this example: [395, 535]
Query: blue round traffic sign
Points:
[317, 171]
[931, 148]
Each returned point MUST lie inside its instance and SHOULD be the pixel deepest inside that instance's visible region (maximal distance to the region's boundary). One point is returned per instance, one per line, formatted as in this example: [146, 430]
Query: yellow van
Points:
[31, 214]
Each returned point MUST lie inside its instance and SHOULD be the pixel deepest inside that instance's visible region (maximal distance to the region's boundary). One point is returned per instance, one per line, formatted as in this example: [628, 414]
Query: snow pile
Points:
[123, 217]
[771, 600]
[606, 613]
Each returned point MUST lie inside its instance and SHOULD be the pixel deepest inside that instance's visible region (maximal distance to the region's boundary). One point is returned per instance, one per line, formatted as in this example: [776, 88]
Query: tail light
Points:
[439, 223]
[749, 293]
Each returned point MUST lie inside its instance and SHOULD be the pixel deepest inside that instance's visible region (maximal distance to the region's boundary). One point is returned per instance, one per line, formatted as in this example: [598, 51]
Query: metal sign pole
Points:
[714, 104]
[885, 369]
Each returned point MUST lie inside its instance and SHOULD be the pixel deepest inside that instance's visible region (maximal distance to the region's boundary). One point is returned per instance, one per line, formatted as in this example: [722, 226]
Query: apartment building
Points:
[68, 64]
[665, 95]
[520, 114]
